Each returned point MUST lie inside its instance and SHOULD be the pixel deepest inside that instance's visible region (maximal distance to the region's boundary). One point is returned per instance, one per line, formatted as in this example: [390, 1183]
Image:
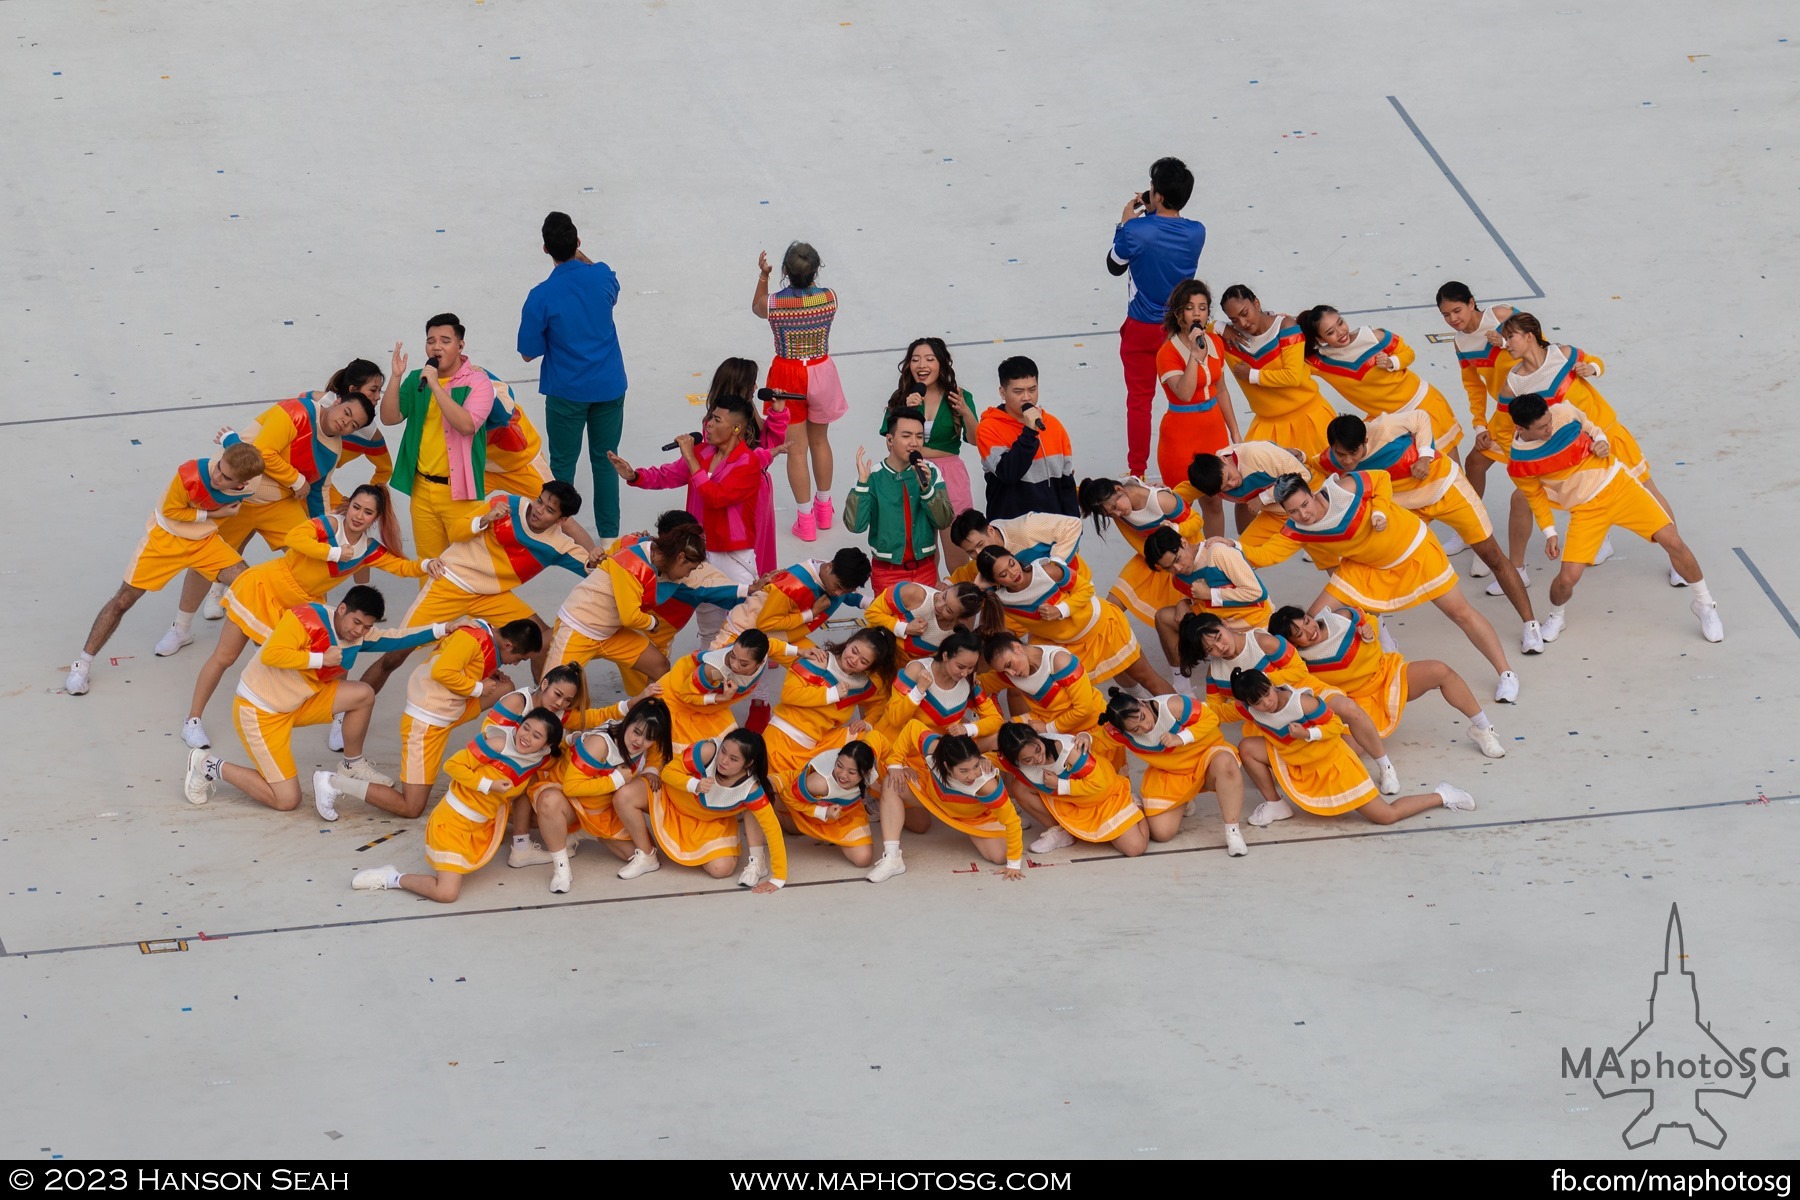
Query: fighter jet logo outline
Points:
[1689, 1110]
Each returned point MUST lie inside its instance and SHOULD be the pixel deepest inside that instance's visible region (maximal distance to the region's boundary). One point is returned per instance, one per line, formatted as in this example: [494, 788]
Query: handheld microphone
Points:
[918, 465]
[432, 362]
[677, 445]
[768, 394]
[917, 389]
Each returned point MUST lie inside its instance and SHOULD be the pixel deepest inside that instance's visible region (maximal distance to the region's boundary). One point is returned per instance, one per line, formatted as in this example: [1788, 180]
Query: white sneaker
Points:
[193, 734]
[1552, 626]
[533, 855]
[641, 863]
[1531, 641]
[754, 872]
[1234, 844]
[325, 796]
[1711, 627]
[1453, 543]
[1489, 741]
[199, 782]
[1390, 781]
[886, 867]
[172, 640]
[77, 682]
[376, 879]
[1605, 552]
[1494, 588]
[1269, 811]
[1193, 806]
[334, 741]
[1455, 797]
[365, 771]
[1054, 838]
[1507, 690]
[1479, 568]
[213, 607]
[560, 878]
[1675, 579]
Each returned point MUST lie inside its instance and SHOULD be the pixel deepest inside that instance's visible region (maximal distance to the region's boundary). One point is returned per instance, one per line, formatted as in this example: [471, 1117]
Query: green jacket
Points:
[415, 403]
[889, 503]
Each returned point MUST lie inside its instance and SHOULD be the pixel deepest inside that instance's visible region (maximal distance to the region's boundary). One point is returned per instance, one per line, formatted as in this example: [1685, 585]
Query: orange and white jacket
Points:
[1397, 441]
[1567, 469]
[290, 668]
[491, 560]
[440, 688]
[191, 505]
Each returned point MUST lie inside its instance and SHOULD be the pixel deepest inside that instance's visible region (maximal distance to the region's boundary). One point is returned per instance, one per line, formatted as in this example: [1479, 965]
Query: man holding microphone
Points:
[1160, 248]
[902, 503]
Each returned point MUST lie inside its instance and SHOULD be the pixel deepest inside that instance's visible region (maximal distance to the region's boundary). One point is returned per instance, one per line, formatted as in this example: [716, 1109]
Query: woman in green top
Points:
[928, 380]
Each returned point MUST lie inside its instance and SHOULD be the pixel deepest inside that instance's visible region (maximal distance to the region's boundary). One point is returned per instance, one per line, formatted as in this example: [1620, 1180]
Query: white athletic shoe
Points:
[325, 796]
[1479, 568]
[1605, 552]
[1390, 781]
[365, 771]
[1494, 588]
[886, 867]
[1269, 811]
[376, 879]
[1675, 579]
[641, 863]
[199, 782]
[193, 734]
[1552, 626]
[1234, 844]
[1453, 543]
[1532, 639]
[754, 872]
[1455, 797]
[1489, 741]
[533, 855]
[1507, 690]
[334, 741]
[1711, 627]
[560, 878]
[172, 640]
[213, 607]
[1054, 838]
[77, 682]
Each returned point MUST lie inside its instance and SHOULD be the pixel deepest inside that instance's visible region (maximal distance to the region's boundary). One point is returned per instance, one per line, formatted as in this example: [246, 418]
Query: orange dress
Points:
[1082, 791]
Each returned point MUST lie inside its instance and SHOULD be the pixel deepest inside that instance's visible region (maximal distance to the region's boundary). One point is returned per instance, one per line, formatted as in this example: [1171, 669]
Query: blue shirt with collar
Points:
[568, 322]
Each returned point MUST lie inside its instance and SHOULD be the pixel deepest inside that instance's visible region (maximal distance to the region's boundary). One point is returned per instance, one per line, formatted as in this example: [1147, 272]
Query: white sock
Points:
[890, 849]
[350, 786]
[1701, 591]
[212, 767]
[393, 877]
[1384, 762]
[758, 853]
[1480, 721]
[216, 590]
[560, 858]
[84, 660]
[1557, 610]
[184, 621]
[521, 839]
[1231, 827]
[350, 760]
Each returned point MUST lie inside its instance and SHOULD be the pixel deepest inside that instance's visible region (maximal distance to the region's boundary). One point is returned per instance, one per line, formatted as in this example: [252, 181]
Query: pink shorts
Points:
[817, 379]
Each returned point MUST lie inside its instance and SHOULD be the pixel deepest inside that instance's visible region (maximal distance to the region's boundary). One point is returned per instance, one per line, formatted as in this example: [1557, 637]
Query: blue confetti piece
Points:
[762, 201]
[219, 172]
[1255, 81]
[440, 231]
[187, 1010]
[514, 58]
[234, 216]
[59, 73]
[287, 322]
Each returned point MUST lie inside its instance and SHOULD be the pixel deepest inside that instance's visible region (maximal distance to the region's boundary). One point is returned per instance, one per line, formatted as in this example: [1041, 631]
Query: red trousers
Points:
[1138, 343]
[883, 575]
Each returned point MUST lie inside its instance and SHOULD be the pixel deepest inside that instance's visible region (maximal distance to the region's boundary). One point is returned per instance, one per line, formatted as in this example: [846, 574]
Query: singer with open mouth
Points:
[902, 503]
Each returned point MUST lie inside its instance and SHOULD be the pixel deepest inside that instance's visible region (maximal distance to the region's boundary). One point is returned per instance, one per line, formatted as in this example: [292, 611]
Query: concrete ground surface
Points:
[209, 207]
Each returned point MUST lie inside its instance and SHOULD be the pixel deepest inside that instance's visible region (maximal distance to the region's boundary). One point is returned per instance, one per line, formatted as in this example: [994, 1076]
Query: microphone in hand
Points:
[919, 468]
[917, 389]
[676, 445]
